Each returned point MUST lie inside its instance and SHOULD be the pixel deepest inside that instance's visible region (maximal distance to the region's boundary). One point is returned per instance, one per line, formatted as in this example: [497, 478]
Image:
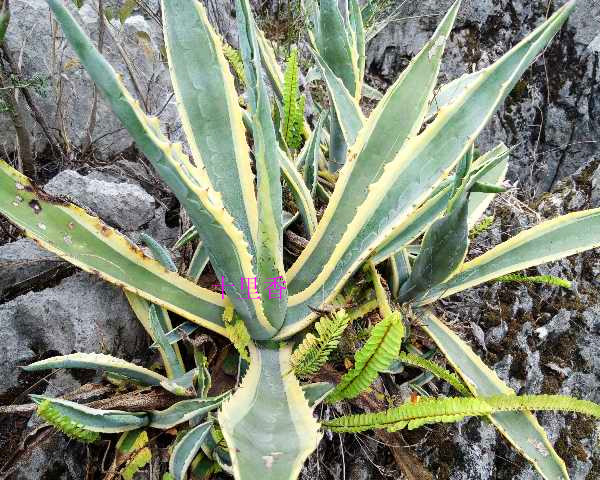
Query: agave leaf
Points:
[198, 263]
[188, 236]
[479, 202]
[186, 449]
[214, 129]
[481, 187]
[310, 155]
[271, 65]
[335, 47]
[87, 243]
[96, 361]
[445, 243]
[315, 393]
[160, 253]
[156, 321]
[93, 419]
[396, 117]
[335, 44]
[191, 234]
[160, 322]
[267, 423]
[179, 333]
[269, 246]
[443, 250]
[372, 93]
[520, 428]
[451, 91]
[550, 240]
[190, 184]
[300, 192]
[65, 424]
[338, 148]
[400, 270]
[419, 168]
[415, 224]
[358, 30]
[184, 411]
[182, 386]
[349, 115]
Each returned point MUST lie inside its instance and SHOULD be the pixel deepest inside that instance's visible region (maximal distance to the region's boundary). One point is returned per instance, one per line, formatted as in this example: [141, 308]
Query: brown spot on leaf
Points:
[35, 206]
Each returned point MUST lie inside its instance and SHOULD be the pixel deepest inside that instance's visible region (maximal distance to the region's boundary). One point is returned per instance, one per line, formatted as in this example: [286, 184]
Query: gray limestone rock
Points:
[82, 313]
[23, 261]
[124, 205]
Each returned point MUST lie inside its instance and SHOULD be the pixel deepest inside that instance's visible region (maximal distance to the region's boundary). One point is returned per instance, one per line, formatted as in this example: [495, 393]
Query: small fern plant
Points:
[401, 186]
[293, 104]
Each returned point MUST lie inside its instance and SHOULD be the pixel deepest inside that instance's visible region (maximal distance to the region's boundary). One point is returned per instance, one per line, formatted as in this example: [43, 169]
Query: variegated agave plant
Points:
[407, 172]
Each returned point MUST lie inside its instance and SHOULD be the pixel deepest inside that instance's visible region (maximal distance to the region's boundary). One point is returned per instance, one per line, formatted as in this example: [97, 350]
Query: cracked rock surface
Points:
[538, 339]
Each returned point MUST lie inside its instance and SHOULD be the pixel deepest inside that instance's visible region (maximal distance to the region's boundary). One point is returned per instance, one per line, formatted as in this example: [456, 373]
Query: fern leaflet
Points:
[446, 410]
[63, 423]
[543, 279]
[139, 461]
[298, 123]
[291, 103]
[435, 369]
[314, 351]
[376, 355]
[237, 332]
[235, 60]
[481, 227]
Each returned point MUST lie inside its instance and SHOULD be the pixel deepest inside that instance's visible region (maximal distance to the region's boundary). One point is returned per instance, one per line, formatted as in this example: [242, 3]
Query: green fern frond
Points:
[314, 351]
[375, 356]
[291, 103]
[168, 476]
[298, 123]
[237, 332]
[435, 369]
[446, 410]
[543, 279]
[64, 424]
[139, 461]
[481, 227]
[235, 60]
